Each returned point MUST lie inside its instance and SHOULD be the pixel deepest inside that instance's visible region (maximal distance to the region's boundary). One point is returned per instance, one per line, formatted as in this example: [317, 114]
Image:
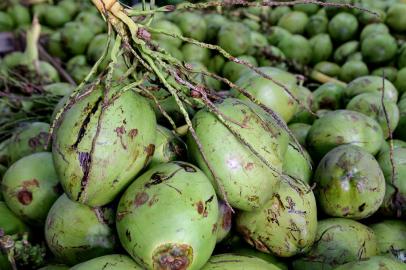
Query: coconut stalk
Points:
[145, 60]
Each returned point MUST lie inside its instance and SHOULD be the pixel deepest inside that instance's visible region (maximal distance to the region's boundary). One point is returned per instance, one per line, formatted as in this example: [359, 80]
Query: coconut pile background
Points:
[203, 135]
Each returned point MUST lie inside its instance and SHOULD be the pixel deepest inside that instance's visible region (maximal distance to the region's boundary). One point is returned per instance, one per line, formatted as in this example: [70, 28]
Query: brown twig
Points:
[269, 3]
[64, 74]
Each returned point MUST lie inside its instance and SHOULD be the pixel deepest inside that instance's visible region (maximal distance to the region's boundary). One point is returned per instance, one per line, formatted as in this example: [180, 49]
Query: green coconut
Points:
[108, 262]
[168, 147]
[374, 28]
[391, 235]
[303, 113]
[168, 27]
[99, 148]
[342, 53]
[343, 27]
[59, 89]
[350, 183]
[273, 93]
[234, 71]
[400, 131]
[91, 20]
[378, 48]
[192, 25]
[229, 261]
[233, 162]
[20, 15]
[340, 127]
[328, 96]
[182, 239]
[289, 46]
[6, 22]
[195, 53]
[317, 24]
[395, 17]
[371, 84]
[328, 68]
[56, 16]
[214, 22]
[76, 37]
[224, 222]
[339, 241]
[353, 69]
[277, 13]
[400, 81]
[27, 139]
[55, 46]
[297, 164]
[291, 210]
[322, 47]
[370, 104]
[395, 197]
[10, 223]
[235, 38]
[389, 73]
[277, 34]
[373, 263]
[300, 131]
[76, 233]
[295, 22]
[30, 186]
[249, 251]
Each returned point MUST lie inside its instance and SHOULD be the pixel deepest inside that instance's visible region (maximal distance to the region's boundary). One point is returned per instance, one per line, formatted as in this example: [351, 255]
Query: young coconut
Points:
[338, 241]
[109, 262]
[394, 169]
[385, 112]
[30, 186]
[400, 131]
[350, 183]
[300, 131]
[168, 147]
[391, 235]
[373, 263]
[297, 165]
[371, 84]
[182, 239]
[224, 221]
[232, 160]
[303, 113]
[10, 223]
[339, 127]
[228, 261]
[108, 122]
[273, 94]
[291, 210]
[91, 236]
[27, 139]
[252, 252]
[328, 96]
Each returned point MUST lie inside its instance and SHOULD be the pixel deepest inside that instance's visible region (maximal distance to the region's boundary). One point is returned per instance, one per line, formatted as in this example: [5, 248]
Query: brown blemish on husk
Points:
[120, 131]
[172, 257]
[133, 133]
[227, 217]
[38, 141]
[140, 199]
[24, 197]
[30, 183]
[200, 207]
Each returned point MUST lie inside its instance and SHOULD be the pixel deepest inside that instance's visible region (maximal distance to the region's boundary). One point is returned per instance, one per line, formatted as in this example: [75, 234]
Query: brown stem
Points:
[65, 75]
